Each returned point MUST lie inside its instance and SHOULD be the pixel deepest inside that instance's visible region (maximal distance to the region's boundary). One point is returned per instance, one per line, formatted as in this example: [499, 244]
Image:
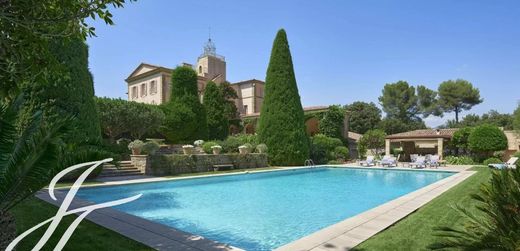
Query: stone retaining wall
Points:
[169, 164]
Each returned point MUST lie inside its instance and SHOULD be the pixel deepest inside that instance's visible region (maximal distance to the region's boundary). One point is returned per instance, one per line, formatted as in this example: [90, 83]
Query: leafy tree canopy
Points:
[28, 26]
[363, 116]
[516, 119]
[487, 138]
[281, 125]
[492, 117]
[372, 139]
[457, 96]
[393, 125]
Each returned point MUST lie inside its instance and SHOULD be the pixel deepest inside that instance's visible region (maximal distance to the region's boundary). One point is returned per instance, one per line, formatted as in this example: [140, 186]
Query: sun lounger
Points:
[368, 162]
[388, 161]
[434, 161]
[509, 164]
[419, 162]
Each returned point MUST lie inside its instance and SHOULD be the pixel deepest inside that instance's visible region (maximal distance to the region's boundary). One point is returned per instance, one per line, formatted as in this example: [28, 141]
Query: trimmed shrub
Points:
[231, 144]
[460, 138]
[372, 139]
[282, 125]
[207, 146]
[459, 160]
[492, 160]
[341, 152]
[185, 117]
[486, 139]
[322, 148]
[150, 147]
[215, 105]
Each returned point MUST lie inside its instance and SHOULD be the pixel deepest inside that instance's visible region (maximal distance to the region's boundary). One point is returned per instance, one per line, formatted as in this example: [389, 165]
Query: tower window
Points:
[200, 69]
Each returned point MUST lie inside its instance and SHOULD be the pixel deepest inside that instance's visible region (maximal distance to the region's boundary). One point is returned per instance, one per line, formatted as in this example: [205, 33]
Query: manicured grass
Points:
[416, 231]
[87, 236]
[220, 172]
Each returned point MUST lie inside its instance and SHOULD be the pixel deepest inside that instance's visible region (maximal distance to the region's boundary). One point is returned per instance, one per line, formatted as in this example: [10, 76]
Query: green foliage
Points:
[517, 154]
[323, 148]
[459, 160]
[30, 156]
[119, 116]
[70, 96]
[391, 126]
[169, 164]
[229, 94]
[185, 116]
[363, 116]
[516, 119]
[26, 56]
[427, 101]
[460, 138]
[207, 146]
[341, 152]
[331, 124]
[136, 144]
[214, 103]
[492, 117]
[457, 96]
[231, 144]
[492, 160]
[373, 139]
[487, 138]
[399, 101]
[150, 147]
[494, 224]
[281, 125]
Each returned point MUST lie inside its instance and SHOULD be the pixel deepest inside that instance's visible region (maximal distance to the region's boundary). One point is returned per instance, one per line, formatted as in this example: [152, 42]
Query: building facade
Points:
[151, 83]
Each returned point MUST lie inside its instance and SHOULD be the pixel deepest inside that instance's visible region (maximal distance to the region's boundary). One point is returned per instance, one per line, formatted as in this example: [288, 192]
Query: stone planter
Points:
[244, 150]
[136, 151]
[188, 149]
[216, 150]
[8, 232]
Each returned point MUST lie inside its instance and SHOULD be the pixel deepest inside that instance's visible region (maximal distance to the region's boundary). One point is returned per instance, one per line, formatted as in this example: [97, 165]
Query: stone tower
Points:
[210, 65]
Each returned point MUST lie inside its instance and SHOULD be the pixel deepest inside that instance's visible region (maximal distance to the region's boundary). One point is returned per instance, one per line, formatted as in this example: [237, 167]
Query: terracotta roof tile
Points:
[425, 133]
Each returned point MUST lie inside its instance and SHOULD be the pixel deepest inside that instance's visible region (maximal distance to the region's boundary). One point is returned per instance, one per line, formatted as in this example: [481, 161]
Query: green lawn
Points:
[88, 236]
[415, 232]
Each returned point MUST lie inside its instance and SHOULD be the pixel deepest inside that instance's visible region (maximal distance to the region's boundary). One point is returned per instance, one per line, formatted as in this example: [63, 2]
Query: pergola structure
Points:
[424, 141]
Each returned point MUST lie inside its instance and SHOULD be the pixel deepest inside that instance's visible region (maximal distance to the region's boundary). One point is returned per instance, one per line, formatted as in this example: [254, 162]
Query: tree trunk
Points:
[7, 229]
[457, 116]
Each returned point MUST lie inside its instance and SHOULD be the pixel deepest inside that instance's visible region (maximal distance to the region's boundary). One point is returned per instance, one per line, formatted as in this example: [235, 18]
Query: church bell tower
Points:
[211, 65]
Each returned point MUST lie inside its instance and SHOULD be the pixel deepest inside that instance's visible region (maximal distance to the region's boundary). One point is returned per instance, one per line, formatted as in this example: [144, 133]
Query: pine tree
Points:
[282, 125]
[70, 94]
[185, 117]
[214, 103]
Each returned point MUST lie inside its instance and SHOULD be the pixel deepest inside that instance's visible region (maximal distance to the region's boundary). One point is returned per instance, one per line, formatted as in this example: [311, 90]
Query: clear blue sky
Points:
[343, 51]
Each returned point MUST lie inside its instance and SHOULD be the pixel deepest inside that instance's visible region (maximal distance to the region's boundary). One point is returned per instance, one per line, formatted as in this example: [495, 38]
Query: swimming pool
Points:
[263, 211]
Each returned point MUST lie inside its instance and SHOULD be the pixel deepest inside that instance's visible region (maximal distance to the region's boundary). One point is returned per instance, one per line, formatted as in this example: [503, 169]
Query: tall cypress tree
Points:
[70, 94]
[185, 117]
[282, 124]
[215, 105]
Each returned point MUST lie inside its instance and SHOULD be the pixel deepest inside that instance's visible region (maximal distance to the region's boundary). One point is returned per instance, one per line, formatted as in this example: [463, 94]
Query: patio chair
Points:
[420, 161]
[388, 160]
[509, 164]
[434, 161]
[368, 162]
[413, 157]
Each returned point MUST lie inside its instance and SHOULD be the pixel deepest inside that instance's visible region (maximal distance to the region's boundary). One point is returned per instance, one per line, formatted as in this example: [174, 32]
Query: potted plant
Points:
[187, 149]
[245, 148]
[198, 143]
[150, 147]
[216, 149]
[136, 146]
[261, 148]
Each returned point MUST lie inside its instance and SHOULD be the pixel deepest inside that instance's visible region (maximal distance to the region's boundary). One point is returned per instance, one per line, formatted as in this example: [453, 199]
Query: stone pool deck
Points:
[348, 233]
[340, 236]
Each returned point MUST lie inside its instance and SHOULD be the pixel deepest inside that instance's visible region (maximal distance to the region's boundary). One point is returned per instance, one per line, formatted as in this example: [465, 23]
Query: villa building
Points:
[151, 83]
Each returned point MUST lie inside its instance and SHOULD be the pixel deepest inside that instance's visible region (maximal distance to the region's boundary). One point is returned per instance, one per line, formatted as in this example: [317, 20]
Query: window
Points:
[153, 87]
[143, 90]
[134, 92]
[200, 69]
[245, 109]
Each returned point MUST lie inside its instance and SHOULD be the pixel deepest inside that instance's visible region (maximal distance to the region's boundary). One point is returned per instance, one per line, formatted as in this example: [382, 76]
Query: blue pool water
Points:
[263, 211]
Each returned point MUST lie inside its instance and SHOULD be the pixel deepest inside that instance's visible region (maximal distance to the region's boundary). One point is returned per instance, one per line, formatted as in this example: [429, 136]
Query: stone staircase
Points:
[125, 169]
